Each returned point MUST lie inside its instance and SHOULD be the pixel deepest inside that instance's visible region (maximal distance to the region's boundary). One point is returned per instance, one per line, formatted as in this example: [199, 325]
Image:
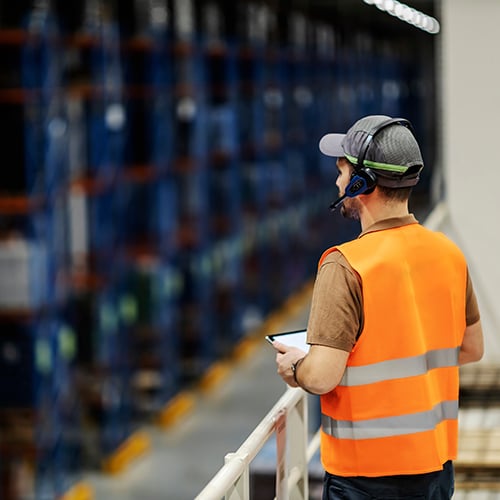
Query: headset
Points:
[363, 179]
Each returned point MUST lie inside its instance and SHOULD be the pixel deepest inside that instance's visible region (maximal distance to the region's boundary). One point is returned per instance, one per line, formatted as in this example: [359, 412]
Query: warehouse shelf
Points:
[13, 36]
[20, 205]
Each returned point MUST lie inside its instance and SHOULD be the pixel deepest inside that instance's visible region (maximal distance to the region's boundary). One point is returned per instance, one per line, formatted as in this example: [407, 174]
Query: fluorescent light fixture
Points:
[407, 14]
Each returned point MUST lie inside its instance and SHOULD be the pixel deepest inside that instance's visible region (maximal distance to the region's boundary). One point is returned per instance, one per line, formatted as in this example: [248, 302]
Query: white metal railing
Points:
[288, 421]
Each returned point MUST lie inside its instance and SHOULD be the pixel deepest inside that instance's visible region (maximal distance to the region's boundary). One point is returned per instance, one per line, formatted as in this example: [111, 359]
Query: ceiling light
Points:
[407, 14]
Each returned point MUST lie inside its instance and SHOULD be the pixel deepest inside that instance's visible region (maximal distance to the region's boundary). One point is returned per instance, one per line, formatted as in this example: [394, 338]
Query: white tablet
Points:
[296, 338]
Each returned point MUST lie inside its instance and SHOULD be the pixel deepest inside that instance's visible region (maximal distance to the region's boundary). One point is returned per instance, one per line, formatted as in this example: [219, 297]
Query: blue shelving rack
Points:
[150, 207]
[98, 122]
[36, 420]
[224, 177]
[298, 152]
[191, 176]
[251, 138]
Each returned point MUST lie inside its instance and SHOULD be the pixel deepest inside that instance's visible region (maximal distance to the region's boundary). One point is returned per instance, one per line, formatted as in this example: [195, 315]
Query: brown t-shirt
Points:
[336, 316]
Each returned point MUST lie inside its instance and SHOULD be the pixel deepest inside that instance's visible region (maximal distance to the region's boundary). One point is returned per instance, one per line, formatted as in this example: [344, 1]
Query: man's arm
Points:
[472, 348]
[318, 372]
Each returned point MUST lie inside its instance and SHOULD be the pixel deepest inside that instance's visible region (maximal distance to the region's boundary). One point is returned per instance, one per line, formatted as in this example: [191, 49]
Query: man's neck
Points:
[375, 212]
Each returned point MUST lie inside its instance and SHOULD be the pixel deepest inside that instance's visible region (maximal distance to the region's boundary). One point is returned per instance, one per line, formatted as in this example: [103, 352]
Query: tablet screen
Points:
[295, 339]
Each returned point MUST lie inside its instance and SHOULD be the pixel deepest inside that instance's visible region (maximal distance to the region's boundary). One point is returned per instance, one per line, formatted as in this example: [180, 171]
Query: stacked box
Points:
[39, 413]
[154, 289]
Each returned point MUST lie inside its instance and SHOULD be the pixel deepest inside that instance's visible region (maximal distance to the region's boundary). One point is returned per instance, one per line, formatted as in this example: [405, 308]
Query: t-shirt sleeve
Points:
[335, 318]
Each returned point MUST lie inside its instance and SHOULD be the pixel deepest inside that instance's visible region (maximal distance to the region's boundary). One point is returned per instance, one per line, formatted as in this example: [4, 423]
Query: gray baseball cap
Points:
[393, 154]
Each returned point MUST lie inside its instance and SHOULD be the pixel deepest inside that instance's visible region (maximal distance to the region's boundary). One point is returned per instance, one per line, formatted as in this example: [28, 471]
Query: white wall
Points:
[470, 95]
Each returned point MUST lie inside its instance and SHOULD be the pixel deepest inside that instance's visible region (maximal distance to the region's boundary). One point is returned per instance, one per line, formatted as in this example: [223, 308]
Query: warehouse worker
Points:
[393, 315]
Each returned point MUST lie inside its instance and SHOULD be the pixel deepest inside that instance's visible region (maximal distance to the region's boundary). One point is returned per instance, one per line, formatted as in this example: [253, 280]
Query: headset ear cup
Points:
[363, 181]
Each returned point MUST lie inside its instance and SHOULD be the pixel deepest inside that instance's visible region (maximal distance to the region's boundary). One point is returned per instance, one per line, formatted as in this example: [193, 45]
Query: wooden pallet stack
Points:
[478, 465]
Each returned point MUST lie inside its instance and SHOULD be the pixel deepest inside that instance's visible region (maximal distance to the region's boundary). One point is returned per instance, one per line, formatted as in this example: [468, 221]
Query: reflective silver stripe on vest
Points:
[390, 426]
[400, 368]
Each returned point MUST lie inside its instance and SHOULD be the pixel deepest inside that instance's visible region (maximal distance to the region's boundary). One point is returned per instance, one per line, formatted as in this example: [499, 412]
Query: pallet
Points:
[478, 463]
[480, 385]
[470, 485]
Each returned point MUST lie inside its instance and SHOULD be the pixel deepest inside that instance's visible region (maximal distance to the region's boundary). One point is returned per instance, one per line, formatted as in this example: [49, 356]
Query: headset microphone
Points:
[362, 181]
[337, 202]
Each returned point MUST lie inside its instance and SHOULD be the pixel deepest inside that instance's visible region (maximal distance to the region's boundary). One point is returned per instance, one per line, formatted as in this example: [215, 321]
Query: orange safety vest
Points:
[395, 410]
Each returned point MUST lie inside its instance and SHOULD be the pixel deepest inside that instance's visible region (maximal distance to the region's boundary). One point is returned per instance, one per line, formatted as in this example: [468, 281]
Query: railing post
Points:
[280, 428]
[297, 432]
[240, 490]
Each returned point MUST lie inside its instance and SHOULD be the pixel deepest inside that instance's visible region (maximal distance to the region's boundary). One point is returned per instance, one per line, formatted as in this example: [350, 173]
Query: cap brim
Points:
[331, 145]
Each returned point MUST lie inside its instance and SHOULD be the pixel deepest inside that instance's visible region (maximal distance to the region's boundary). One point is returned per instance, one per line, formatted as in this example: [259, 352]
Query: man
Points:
[393, 315]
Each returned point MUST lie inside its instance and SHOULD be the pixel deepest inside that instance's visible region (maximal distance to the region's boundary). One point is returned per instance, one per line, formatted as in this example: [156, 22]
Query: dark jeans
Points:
[437, 485]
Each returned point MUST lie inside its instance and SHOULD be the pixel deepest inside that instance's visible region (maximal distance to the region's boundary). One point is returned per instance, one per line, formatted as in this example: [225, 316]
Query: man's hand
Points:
[286, 356]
